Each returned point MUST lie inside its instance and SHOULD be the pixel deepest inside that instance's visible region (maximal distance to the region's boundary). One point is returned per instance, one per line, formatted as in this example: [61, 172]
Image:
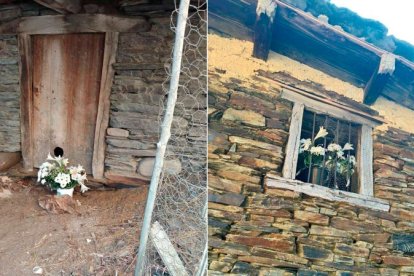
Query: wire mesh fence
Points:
[178, 238]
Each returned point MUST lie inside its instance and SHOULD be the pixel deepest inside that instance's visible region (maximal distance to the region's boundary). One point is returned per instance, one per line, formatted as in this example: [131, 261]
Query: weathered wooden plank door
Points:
[66, 81]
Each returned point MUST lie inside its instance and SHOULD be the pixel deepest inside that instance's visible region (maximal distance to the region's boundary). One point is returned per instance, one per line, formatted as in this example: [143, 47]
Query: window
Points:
[348, 168]
[330, 160]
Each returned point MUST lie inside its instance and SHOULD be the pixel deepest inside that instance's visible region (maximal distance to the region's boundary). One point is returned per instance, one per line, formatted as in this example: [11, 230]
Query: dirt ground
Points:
[98, 239]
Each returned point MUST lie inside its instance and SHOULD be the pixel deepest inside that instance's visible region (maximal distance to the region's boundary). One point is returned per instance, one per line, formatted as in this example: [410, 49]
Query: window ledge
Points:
[275, 181]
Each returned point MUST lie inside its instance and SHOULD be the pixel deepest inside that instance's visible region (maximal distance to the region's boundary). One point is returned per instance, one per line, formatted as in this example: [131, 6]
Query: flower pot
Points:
[62, 192]
[316, 175]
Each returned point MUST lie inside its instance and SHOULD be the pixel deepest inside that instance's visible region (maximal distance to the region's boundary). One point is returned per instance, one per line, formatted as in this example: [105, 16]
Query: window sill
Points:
[275, 181]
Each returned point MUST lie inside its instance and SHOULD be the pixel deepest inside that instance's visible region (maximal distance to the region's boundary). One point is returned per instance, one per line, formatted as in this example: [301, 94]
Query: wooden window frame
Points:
[63, 25]
[365, 145]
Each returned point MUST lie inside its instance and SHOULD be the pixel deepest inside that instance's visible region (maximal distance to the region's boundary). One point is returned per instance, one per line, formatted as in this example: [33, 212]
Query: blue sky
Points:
[397, 15]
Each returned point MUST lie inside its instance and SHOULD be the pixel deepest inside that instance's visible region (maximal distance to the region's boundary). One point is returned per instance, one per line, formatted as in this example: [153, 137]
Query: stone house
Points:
[276, 76]
[86, 78]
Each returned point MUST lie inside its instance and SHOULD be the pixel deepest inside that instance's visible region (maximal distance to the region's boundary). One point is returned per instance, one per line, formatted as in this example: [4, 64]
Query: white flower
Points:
[49, 157]
[305, 144]
[352, 160]
[340, 154]
[79, 177]
[348, 146]
[43, 181]
[60, 160]
[77, 173]
[321, 133]
[39, 175]
[63, 179]
[84, 188]
[44, 170]
[334, 147]
[318, 150]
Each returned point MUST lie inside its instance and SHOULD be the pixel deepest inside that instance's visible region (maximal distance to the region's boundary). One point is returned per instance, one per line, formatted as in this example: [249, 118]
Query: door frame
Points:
[26, 84]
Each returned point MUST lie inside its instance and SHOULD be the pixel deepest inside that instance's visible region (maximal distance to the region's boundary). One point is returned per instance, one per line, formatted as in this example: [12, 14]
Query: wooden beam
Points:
[326, 106]
[263, 29]
[292, 147]
[309, 87]
[345, 35]
[76, 23]
[26, 100]
[293, 25]
[365, 159]
[228, 26]
[102, 118]
[167, 251]
[379, 78]
[61, 6]
[274, 181]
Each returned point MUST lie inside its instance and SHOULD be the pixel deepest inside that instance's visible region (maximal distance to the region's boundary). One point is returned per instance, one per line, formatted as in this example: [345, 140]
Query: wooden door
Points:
[66, 81]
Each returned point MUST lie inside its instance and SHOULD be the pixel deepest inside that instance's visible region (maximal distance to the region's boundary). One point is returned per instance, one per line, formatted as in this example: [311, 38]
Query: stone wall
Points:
[137, 100]
[255, 230]
[9, 95]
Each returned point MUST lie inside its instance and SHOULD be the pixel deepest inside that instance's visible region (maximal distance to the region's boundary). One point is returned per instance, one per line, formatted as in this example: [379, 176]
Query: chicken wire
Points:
[181, 198]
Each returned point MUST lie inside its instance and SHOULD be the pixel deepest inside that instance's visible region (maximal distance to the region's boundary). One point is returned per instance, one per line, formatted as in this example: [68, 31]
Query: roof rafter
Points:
[379, 78]
[263, 29]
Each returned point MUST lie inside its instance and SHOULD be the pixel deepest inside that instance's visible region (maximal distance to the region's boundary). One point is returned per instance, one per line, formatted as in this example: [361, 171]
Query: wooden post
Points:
[102, 118]
[26, 100]
[167, 251]
[292, 148]
[379, 79]
[365, 159]
[265, 13]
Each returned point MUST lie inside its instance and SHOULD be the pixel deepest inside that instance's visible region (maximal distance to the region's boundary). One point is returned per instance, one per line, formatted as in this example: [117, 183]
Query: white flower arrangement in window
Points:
[330, 158]
[58, 176]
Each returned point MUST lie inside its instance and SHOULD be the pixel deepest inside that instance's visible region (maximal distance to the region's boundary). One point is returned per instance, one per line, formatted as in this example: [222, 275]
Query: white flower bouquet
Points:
[331, 157]
[57, 175]
[313, 154]
[345, 165]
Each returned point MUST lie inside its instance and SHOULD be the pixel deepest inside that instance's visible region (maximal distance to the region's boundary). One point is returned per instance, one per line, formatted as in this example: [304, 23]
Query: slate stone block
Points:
[303, 272]
[228, 198]
[244, 268]
[315, 253]
[404, 243]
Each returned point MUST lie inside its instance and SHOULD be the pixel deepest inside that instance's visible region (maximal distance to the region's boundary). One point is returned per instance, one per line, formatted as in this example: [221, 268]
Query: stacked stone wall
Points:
[9, 94]
[255, 230]
[137, 101]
